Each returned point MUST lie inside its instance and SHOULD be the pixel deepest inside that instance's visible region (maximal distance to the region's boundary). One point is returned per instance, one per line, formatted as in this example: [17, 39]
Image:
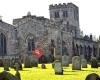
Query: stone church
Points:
[59, 35]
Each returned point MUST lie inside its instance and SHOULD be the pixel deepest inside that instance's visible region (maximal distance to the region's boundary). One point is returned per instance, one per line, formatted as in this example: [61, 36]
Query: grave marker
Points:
[65, 60]
[76, 63]
[58, 67]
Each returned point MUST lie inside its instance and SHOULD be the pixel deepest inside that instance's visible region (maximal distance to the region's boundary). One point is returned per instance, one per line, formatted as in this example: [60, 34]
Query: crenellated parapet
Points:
[57, 6]
[63, 5]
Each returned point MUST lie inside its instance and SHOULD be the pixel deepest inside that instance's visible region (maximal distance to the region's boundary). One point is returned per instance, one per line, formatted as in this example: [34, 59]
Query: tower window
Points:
[56, 14]
[65, 14]
[3, 51]
[75, 14]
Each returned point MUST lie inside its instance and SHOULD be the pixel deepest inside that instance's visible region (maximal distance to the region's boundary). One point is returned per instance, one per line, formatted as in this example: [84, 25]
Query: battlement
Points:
[63, 5]
[34, 17]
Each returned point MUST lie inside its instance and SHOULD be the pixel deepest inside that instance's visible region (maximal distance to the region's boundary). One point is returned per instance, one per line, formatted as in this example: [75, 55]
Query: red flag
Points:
[37, 52]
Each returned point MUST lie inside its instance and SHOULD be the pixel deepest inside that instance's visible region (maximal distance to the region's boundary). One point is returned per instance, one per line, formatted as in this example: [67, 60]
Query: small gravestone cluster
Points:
[94, 63]
[13, 62]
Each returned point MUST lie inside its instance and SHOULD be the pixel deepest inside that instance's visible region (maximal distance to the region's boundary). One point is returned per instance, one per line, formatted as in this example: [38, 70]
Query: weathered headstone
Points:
[58, 67]
[94, 63]
[12, 62]
[6, 64]
[65, 60]
[84, 63]
[76, 63]
[7, 76]
[34, 61]
[92, 76]
[27, 62]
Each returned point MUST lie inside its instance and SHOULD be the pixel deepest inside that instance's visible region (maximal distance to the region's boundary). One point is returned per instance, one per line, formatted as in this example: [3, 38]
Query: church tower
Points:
[69, 14]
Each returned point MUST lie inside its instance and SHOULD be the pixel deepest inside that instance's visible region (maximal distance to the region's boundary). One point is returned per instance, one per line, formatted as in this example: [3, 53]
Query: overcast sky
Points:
[89, 11]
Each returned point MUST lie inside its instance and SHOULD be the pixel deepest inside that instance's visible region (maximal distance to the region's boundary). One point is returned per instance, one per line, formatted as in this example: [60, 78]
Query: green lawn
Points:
[48, 74]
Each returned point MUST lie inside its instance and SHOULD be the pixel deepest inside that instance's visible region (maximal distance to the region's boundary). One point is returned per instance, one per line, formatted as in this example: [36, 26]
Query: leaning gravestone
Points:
[58, 67]
[65, 60]
[7, 76]
[84, 63]
[27, 62]
[94, 63]
[92, 76]
[76, 63]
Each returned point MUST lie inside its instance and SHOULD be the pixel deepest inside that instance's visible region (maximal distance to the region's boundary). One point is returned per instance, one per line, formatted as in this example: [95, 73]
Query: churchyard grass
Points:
[36, 73]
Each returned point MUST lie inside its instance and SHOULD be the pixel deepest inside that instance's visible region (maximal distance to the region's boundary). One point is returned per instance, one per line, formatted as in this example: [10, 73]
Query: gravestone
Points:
[34, 61]
[76, 63]
[53, 65]
[84, 63]
[43, 66]
[58, 67]
[12, 62]
[94, 63]
[7, 76]
[6, 64]
[65, 60]
[1, 63]
[92, 76]
[27, 62]
[19, 64]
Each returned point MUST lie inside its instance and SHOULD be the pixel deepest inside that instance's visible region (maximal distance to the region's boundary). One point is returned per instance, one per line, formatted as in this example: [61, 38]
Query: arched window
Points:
[2, 45]
[31, 45]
